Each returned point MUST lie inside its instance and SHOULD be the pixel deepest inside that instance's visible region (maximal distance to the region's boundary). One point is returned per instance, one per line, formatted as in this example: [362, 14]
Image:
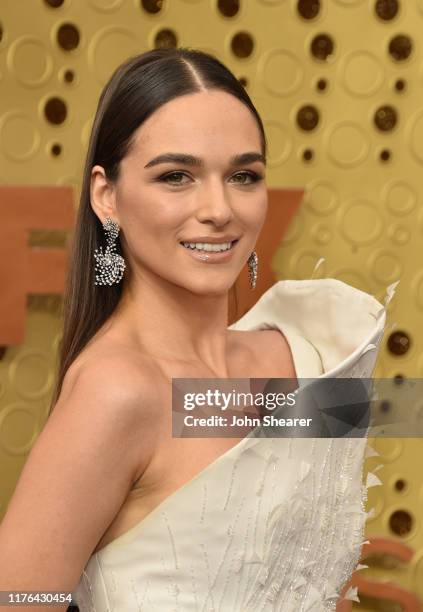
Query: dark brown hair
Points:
[136, 90]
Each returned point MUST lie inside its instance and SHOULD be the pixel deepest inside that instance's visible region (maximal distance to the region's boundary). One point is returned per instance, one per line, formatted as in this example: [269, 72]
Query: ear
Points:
[103, 196]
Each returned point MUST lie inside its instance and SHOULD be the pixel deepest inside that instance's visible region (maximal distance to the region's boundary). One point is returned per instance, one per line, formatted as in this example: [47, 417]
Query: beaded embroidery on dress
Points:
[273, 524]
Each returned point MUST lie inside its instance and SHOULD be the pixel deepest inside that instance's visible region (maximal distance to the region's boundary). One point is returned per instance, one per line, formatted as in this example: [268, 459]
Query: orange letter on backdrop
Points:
[382, 590]
[24, 269]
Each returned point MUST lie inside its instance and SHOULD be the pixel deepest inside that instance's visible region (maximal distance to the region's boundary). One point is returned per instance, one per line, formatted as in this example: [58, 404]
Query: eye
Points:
[251, 175]
[166, 178]
[170, 177]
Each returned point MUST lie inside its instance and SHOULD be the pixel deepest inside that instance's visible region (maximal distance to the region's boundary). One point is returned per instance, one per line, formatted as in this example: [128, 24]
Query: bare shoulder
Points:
[119, 375]
[98, 438]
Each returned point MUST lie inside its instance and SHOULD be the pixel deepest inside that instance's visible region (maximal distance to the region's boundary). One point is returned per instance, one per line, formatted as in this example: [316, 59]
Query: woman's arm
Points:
[78, 474]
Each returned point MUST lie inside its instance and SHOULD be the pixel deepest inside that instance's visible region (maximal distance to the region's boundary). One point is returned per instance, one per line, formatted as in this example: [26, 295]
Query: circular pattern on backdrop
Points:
[360, 222]
[109, 47]
[304, 261]
[385, 266]
[30, 61]
[347, 144]
[389, 449]
[18, 428]
[414, 135]
[400, 197]
[321, 197]
[280, 72]
[280, 142]
[321, 233]
[399, 234]
[30, 374]
[19, 138]
[362, 73]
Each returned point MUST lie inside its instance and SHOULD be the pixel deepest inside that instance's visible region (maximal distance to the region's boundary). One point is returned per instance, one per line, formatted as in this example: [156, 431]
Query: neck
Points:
[172, 322]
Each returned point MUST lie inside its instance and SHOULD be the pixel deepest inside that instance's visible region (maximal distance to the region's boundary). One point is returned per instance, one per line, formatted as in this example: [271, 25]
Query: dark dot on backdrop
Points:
[399, 343]
[401, 522]
[385, 155]
[399, 379]
[322, 47]
[386, 9]
[228, 8]
[386, 118]
[400, 47]
[242, 44]
[69, 76]
[152, 6]
[308, 9]
[321, 84]
[400, 84]
[56, 150]
[54, 3]
[68, 36]
[55, 111]
[165, 39]
[308, 155]
[308, 117]
[400, 484]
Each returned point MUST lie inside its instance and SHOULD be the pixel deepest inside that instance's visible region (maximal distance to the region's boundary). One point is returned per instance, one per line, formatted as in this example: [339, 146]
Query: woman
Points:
[109, 504]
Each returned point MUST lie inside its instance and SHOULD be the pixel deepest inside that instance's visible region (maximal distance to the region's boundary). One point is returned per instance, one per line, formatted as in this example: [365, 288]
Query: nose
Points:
[214, 204]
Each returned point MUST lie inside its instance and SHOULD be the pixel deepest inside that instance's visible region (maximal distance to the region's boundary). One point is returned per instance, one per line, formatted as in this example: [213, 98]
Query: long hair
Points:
[135, 91]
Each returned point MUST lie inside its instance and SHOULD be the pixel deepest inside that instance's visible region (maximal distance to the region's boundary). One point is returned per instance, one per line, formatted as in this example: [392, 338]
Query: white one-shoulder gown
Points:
[273, 524]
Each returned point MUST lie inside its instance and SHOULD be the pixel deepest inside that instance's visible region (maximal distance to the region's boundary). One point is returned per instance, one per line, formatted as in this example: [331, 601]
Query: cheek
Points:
[252, 212]
[147, 217]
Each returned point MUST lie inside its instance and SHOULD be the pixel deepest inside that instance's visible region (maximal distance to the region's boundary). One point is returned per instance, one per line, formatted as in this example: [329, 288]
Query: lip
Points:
[212, 240]
[210, 256]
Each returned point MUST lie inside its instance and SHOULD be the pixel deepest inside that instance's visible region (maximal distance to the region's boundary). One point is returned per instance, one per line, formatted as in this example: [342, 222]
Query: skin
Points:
[171, 322]
[172, 319]
[172, 300]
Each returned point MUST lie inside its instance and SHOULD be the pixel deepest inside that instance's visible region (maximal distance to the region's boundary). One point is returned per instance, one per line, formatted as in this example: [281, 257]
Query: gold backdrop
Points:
[339, 86]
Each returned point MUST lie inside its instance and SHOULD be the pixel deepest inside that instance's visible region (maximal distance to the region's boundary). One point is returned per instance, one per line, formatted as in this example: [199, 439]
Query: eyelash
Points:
[253, 175]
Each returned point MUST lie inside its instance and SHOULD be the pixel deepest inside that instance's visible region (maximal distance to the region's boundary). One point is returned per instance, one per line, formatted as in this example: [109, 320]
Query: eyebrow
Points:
[191, 160]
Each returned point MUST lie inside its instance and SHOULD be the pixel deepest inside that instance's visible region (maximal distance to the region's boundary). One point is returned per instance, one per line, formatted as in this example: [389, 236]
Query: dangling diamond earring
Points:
[252, 269]
[110, 265]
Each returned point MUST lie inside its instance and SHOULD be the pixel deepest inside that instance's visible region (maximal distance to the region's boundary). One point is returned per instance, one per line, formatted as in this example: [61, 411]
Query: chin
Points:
[209, 287]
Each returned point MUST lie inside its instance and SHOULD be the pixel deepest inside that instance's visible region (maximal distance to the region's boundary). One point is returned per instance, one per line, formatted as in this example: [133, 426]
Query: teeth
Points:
[208, 246]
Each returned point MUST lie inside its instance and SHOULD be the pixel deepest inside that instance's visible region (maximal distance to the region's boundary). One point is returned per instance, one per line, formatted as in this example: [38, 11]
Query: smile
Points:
[209, 252]
[209, 246]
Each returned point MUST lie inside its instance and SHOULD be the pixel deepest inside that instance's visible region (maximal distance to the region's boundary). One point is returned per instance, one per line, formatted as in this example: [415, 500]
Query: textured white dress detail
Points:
[273, 524]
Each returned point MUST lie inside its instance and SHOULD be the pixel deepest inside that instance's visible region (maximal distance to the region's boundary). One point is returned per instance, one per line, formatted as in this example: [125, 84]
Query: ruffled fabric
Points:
[273, 524]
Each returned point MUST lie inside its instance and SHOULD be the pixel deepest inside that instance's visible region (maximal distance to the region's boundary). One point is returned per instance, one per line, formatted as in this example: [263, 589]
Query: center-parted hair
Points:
[135, 91]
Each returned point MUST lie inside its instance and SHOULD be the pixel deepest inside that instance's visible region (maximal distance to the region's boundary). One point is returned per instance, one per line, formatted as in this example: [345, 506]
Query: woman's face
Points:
[204, 197]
